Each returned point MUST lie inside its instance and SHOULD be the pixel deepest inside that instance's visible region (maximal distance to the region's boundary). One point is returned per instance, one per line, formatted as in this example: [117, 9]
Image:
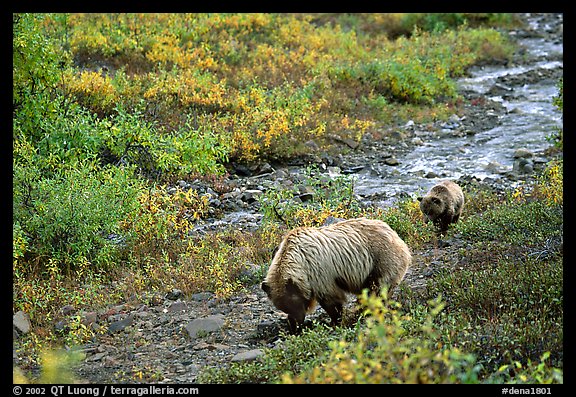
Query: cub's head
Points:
[432, 207]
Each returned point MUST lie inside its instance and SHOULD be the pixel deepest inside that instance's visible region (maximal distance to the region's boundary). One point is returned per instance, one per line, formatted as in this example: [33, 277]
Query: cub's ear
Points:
[265, 287]
[419, 198]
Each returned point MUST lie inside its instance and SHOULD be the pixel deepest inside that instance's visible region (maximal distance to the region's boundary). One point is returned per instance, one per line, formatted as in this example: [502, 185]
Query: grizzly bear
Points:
[442, 205]
[323, 264]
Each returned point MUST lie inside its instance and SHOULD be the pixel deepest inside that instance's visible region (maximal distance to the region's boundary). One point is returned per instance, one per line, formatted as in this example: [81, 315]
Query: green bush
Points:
[405, 218]
[439, 22]
[129, 138]
[504, 309]
[532, 372]
[505, 294]
[37, 69]
[67, 219]
[530, 223]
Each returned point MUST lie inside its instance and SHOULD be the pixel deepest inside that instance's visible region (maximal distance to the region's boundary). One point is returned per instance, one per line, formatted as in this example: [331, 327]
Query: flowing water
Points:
[530, 118]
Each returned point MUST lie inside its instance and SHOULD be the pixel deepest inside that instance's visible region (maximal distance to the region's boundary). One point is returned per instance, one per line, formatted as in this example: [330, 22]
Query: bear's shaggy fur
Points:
[443, 204]
[323, 264]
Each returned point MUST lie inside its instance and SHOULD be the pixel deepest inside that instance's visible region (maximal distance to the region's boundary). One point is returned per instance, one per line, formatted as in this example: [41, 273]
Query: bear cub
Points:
[442, 205]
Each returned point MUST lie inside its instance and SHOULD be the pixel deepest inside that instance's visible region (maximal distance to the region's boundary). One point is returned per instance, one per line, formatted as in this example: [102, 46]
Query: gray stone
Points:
[417, 141]
[200, 326]
[431, 174]
[266, 168]
[304, 197]
[96, 357]
[177, 306]
[523, 153]
[249, 355]
[175, 294]
[89, 318]
[251, 195]
[184, 184]
[494, 167]
[22, 322]
[67, 310]
[352, 144]
[120, 325]
[202, 296]
[523, 166]
[391, 161]
[353, 169]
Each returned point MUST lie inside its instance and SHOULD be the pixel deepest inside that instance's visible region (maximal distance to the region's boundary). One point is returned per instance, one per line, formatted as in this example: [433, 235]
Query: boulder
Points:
[21, 321]
[200, 326]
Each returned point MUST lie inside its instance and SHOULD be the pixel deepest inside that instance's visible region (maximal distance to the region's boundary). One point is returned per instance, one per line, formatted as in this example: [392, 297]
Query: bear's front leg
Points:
[334, 310]
[295, 320]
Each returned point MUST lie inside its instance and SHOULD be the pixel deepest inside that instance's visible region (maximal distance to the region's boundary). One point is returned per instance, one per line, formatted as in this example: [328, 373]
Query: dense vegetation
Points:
[110, 109]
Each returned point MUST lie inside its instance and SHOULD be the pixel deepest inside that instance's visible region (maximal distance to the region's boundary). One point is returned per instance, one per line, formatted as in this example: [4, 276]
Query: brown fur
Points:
[323, 264]
[443, 204]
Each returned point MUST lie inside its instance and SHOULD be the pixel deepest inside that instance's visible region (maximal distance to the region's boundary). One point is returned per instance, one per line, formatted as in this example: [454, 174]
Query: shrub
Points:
[529, 372]
[19, 247]
[128, 138]
[56, 367]
[156, 230]
[505, 294]
[92, 90]
[386, 352]
[507, 309]
[267, 83]
[529, 223]
[406, 219]
[221, 262]
[36, 70]
[68, 218]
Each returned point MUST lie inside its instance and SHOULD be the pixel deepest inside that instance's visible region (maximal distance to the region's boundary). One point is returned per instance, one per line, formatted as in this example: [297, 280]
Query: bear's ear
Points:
[266, 287]
[419, 198]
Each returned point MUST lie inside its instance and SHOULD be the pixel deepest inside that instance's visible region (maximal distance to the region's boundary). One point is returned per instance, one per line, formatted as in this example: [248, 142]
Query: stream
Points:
[528, 119]
[519, 116]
